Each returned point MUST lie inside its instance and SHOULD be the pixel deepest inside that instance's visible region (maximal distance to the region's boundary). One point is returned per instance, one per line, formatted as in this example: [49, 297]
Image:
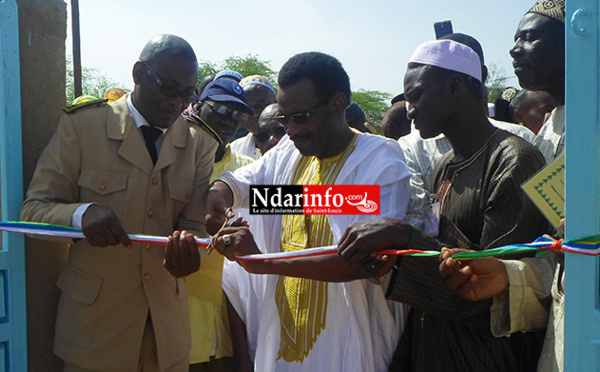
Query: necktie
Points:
[150, 135]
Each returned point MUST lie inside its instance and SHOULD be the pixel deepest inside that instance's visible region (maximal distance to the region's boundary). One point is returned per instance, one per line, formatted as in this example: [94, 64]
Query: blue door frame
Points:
[582, 288]
[582, 285]
[13, 332]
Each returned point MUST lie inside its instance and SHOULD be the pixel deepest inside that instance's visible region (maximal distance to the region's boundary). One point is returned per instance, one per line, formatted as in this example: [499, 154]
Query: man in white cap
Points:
[422, 154]
[482, 207]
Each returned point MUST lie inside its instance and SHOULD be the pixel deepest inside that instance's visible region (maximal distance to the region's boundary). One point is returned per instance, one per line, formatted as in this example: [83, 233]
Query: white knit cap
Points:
[450, 55]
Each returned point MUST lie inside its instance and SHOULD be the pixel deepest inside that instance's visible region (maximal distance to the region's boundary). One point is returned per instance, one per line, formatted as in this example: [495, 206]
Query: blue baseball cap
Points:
[226, 90]
[231, 74]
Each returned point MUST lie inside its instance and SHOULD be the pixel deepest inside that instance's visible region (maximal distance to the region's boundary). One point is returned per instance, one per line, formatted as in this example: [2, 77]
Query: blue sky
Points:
[373, 39]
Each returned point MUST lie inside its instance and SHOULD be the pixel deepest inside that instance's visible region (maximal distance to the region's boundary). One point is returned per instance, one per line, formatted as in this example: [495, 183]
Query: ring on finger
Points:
[227, 239]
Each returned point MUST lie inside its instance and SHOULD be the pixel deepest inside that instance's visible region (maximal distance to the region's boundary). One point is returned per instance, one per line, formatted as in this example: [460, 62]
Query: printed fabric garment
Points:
[421, 157]
[361, 328]
[483, 207]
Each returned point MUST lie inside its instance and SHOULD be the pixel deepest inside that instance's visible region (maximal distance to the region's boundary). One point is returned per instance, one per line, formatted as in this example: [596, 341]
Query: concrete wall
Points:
[42, 34]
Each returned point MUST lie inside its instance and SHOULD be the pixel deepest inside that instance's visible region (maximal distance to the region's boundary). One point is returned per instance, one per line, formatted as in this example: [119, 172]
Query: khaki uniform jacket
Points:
[98, 155]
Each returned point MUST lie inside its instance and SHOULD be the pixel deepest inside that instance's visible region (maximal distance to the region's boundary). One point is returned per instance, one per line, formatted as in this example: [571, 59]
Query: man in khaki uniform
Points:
[123, 305]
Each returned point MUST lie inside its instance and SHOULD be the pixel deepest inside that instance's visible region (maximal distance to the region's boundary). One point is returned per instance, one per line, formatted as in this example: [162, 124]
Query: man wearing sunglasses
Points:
[134, 165]
[313, 313]
[220, 112]
[270, 130]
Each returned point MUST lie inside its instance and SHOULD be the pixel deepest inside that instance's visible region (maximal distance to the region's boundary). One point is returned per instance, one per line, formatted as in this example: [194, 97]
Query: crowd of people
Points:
[176, 158]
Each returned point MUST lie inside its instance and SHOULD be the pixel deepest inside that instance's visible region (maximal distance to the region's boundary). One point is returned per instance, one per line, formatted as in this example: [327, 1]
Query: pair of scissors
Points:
[229, 214]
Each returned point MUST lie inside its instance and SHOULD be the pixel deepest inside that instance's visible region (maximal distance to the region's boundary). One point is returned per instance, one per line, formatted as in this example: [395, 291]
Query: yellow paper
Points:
[547, 190]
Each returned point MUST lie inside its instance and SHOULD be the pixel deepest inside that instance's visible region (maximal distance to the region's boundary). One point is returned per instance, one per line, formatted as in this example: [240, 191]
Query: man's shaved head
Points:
[165, 79]
[169, 46]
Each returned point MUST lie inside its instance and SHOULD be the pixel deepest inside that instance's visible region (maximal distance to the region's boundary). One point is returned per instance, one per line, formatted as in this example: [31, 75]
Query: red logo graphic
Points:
[340, 199]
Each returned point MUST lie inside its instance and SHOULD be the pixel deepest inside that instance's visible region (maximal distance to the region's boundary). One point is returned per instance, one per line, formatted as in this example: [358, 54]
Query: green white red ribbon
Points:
[588, 246]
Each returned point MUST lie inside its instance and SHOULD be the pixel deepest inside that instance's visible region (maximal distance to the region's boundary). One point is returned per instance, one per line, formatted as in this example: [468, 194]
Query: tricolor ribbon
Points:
[588, 246]
[331, 249]
[46, 229]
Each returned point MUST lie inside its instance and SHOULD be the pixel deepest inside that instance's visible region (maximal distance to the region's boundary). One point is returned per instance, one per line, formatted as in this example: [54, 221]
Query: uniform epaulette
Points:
[94, 103]
[195, 119]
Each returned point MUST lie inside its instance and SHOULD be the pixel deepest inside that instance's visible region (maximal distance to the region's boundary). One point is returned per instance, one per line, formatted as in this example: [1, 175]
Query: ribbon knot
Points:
[556, 246]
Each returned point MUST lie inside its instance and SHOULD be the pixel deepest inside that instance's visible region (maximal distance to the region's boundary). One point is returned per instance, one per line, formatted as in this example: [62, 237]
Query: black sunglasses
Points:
[298, 118]
[221, 109]
[187, 94]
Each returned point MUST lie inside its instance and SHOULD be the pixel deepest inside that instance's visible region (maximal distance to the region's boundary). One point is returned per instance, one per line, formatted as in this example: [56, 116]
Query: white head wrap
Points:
[450, 55]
